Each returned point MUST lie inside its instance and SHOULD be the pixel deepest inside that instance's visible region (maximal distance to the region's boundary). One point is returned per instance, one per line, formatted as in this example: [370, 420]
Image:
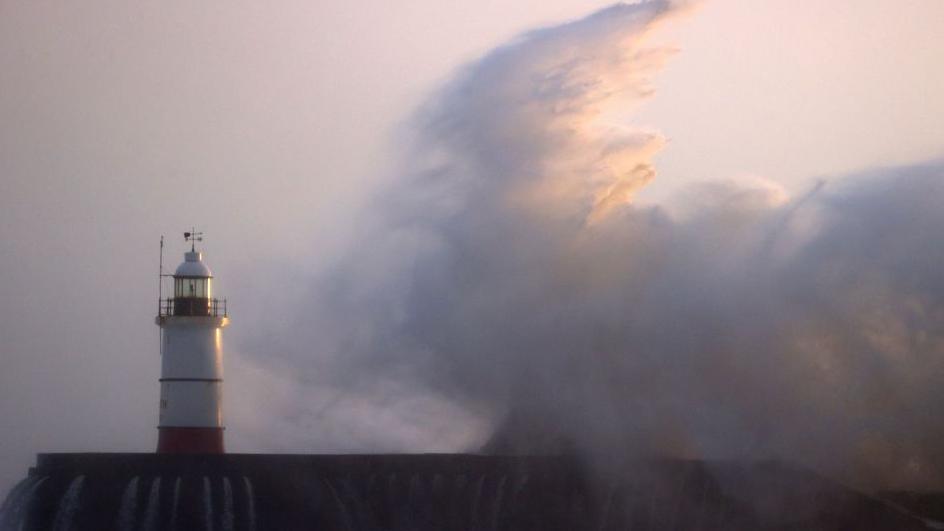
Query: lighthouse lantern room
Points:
[191, 322]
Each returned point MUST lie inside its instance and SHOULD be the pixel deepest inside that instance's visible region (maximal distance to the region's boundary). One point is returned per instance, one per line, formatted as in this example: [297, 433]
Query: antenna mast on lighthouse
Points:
[191, 322]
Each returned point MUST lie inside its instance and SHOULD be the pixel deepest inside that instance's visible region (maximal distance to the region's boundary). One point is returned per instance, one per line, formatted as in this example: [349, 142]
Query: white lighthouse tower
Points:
[191, 414]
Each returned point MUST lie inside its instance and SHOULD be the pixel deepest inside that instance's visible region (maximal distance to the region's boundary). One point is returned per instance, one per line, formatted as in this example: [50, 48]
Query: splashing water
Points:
[513, 274]
[129, 506]
[228, 517]
[497, 502]
[68, 505]
[414, 495]
[150, 514]
[207, 505]
[25, 505]
[17, 505]
[174, 504]
[346, 518]
[14, 494]
[250, 504]
[11, 505]
[477, 498]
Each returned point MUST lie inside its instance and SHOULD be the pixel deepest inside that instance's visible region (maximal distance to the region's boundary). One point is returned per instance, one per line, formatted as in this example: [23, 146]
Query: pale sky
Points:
[269, 129]
[798, 90]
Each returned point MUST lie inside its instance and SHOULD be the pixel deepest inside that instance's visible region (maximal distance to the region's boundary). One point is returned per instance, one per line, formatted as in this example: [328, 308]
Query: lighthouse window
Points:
[192, 288]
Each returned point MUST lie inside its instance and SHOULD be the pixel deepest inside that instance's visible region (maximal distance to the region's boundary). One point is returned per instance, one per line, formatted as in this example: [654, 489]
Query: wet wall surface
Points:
[429, 492]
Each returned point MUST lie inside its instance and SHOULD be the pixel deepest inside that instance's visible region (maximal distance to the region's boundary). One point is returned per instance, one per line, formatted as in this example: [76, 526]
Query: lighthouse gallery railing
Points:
[190, 306]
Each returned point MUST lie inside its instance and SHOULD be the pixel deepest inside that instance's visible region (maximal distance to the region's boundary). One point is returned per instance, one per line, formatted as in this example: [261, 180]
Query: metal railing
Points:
[188, 306]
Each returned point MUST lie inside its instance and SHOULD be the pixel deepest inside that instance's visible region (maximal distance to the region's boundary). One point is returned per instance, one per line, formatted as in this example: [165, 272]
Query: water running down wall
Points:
[427, 492]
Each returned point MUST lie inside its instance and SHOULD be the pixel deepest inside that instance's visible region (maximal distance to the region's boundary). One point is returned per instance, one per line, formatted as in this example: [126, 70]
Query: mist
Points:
[555, 247]
[506, 289]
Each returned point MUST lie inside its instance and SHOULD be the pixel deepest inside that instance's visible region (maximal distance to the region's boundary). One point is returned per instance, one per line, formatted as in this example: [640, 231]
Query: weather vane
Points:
[193, 236]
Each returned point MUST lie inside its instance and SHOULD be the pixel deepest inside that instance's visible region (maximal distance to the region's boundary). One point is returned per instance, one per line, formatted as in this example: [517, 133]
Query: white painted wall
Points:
[192, 348]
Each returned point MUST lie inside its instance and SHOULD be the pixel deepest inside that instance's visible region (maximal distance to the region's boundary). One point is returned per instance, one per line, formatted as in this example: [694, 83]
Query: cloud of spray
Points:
[508, 274]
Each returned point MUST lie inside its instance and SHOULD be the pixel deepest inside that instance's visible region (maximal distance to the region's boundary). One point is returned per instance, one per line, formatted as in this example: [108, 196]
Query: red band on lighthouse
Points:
[190, 440]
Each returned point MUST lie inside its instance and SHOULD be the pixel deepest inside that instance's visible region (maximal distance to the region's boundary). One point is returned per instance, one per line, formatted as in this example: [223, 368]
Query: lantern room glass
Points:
[191, 287]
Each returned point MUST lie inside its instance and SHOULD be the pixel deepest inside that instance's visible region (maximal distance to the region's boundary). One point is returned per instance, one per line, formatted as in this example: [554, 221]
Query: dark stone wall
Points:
[427, 492]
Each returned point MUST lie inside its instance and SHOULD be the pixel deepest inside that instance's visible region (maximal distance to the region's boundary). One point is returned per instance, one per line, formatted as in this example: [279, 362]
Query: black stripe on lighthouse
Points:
[190, 380]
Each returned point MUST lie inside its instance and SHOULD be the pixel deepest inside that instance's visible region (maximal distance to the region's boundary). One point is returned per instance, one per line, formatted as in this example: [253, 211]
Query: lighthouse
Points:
[191, 322]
